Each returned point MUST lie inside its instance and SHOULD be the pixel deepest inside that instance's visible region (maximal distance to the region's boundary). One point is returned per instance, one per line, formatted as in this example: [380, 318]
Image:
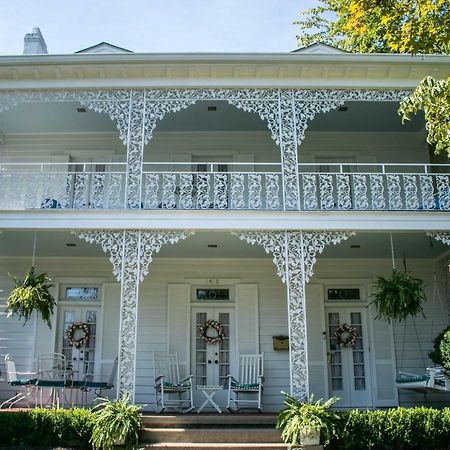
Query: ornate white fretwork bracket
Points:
[294, 255]
[443, 236]
[131, 252]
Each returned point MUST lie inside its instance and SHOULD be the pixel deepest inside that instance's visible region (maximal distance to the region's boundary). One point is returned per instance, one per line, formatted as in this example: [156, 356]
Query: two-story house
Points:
[264, 191]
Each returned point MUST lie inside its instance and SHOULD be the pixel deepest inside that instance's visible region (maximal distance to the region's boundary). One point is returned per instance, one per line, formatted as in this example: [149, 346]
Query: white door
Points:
[212, 363]
[348, 367]
[82, 360]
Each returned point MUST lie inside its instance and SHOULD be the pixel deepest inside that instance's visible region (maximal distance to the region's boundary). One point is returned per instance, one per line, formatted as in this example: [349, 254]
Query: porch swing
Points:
[435, 379]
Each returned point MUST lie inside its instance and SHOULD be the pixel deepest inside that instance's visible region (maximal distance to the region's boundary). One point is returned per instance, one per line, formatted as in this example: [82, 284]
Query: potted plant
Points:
[398, 297]
[116, 422]
[33, 293]
[304, 423]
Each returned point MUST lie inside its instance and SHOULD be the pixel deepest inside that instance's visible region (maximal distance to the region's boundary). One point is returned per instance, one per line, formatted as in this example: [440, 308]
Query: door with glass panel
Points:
[211, 362]
[348, 360]
[79, 305]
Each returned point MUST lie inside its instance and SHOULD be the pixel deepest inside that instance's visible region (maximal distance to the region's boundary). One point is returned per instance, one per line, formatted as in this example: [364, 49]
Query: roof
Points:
[319, 48]
[104, 47]
[303, 69]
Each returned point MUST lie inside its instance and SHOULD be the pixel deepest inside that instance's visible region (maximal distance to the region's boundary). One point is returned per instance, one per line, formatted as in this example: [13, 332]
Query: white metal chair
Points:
[25, 381]
[170, 390]
[250, 383]
[88, 384]
[52, 374]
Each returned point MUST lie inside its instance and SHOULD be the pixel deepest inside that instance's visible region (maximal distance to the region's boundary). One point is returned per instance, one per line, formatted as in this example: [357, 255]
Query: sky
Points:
[153, 25]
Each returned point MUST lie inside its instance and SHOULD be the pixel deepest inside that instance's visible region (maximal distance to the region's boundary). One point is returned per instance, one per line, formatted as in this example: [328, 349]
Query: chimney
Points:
[34, 43]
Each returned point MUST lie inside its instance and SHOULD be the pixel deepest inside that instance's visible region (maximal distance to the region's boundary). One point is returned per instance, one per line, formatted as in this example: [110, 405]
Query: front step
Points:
[203, 435]
[207, 420]
[212, 432]
[220, 446]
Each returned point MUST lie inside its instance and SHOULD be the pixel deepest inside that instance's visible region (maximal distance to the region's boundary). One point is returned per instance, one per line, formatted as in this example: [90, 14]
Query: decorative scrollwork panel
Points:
[131, 252]
[294, 255]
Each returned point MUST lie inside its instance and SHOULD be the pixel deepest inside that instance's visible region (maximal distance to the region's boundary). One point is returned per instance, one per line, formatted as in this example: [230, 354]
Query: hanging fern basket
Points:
[31, 294]
[398, 297]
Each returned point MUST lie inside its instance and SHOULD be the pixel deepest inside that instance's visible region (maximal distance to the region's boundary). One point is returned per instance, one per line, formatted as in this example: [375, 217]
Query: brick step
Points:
[207, 420]
[220, 446]
[206, 435]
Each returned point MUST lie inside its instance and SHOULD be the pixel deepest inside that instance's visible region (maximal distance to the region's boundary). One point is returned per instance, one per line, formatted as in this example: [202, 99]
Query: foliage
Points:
[397, 428]
[433, 98]
[301, 419]
[46, 428]
[397, 26]
[115, 420]
[440, 354]
[368, 26]
[398, 297]
[31, 294]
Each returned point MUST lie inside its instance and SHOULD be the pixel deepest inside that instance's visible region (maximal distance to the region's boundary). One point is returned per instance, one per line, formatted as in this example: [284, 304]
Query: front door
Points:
[348, 366]
[83, 359]
[211, 362]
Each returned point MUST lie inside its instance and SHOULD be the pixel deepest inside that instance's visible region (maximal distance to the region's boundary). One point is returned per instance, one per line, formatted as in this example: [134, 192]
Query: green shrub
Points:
[441, 349]
[398, 428]
[46, 428]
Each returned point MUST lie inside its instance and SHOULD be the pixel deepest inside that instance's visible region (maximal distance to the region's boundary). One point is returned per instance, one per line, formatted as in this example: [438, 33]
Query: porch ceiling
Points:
[15, 243]
[54, 117]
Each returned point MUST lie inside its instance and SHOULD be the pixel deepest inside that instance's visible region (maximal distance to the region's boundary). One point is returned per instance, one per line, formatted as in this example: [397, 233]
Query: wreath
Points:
[203, 329]
[78, 335]
[346, 335]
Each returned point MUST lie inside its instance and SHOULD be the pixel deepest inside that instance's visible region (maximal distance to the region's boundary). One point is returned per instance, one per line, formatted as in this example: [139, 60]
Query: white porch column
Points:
[131, 252]
[294, 255]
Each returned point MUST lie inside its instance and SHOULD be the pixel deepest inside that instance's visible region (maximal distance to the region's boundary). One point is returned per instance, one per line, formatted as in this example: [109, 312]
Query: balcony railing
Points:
[226, 186]
[62, 186]
[374, 187]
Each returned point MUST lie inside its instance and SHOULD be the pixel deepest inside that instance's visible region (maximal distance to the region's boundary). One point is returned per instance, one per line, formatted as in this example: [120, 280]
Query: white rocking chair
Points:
[25, 381]
[250, 383]
[170, 390]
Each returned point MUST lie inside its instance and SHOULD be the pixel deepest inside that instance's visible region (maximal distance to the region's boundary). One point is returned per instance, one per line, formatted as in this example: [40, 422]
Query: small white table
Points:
[209, 392]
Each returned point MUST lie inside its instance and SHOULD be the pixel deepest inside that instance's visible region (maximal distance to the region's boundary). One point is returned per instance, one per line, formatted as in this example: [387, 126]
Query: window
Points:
[207, 294]
[82, 293]
[343, 294]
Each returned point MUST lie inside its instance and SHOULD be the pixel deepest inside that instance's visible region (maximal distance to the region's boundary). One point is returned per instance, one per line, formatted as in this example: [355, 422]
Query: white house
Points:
[258, 190]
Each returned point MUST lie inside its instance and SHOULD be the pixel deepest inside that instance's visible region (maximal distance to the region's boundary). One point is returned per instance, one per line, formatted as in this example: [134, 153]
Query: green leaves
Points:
[115, 421]
[31, 294]
[391, 26]
[398, 297]
[301, 419]
[433, 98]
[441, 349]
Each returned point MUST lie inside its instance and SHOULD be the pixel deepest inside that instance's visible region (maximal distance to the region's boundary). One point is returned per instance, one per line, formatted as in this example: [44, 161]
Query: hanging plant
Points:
[440, 354]
[398, 297]
[29, 295]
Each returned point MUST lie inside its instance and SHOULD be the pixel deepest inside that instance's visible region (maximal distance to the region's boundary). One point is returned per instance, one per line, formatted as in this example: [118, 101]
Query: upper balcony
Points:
[213, 156]
[226, 186]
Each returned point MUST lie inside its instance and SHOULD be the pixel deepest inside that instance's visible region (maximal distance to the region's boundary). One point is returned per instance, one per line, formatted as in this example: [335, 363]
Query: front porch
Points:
[214, 275]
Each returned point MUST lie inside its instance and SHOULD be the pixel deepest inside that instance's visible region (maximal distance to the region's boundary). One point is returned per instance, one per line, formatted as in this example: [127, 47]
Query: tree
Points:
[397, 26]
